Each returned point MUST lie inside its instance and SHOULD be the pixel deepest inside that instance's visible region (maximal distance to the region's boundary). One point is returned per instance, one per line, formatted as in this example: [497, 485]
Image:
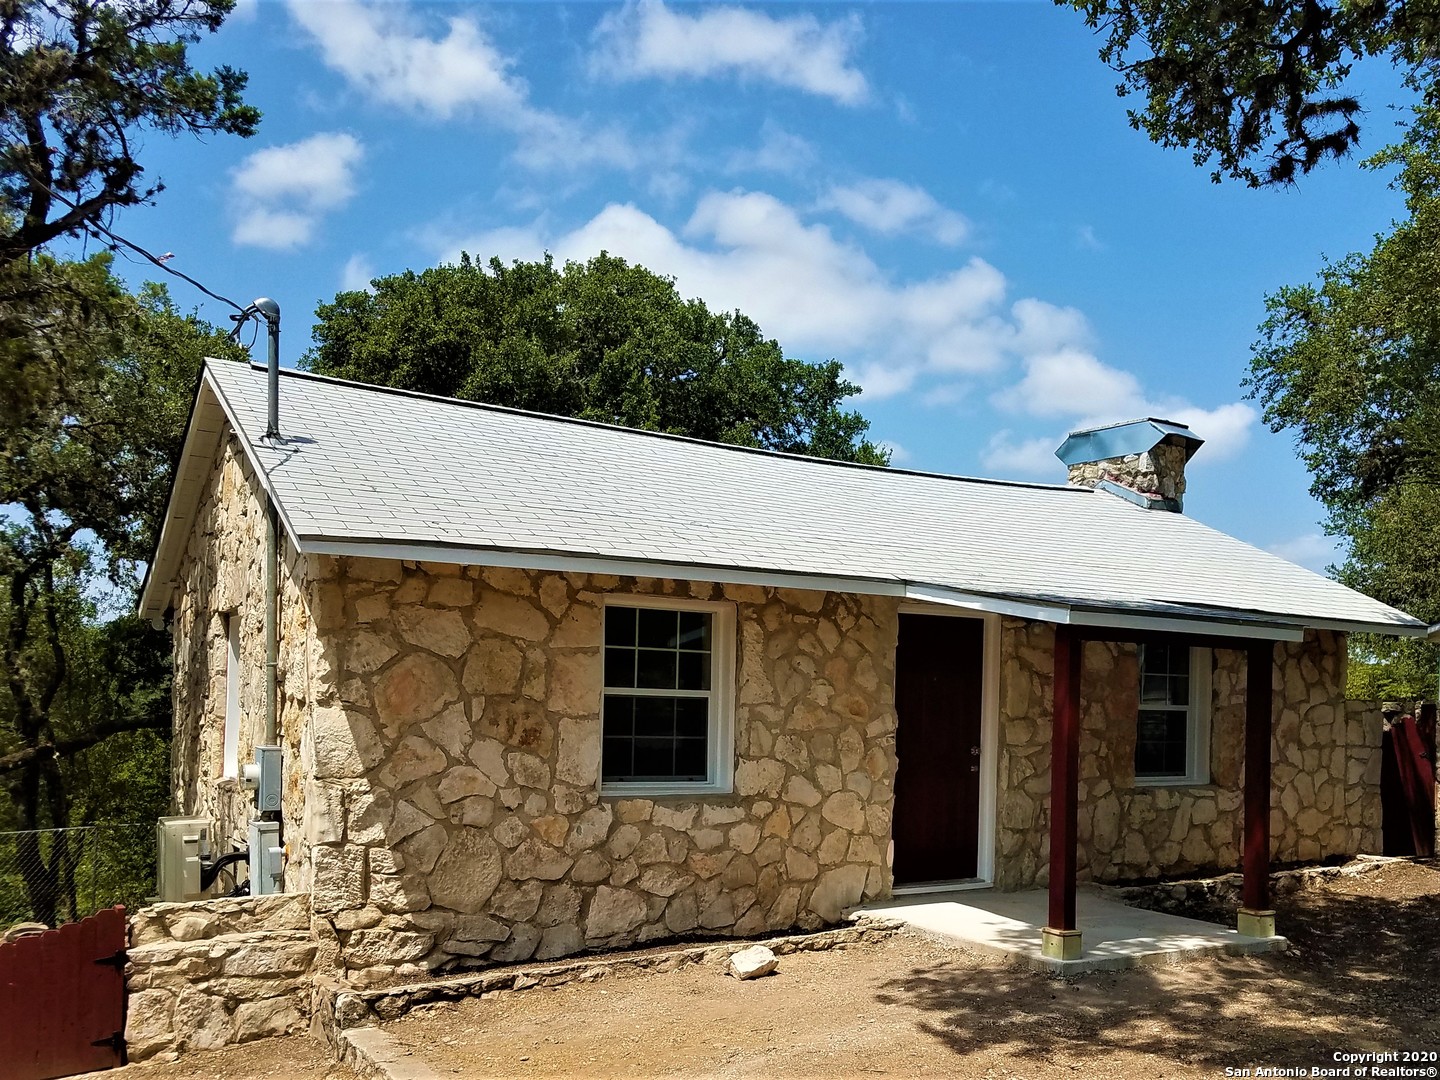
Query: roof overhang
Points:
[1216, 623]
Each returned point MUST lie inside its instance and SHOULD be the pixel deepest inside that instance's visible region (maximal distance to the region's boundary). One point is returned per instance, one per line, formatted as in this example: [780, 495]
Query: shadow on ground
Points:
[1361, 974]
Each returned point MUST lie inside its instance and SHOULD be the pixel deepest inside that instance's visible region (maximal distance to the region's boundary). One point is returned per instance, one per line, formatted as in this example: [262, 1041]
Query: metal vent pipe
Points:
[271, 312]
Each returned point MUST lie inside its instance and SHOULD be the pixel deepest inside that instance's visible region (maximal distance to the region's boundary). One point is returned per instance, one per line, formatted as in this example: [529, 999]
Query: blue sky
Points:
[945, 197]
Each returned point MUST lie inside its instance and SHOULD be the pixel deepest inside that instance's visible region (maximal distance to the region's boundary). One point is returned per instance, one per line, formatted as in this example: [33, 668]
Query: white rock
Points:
[753, 962]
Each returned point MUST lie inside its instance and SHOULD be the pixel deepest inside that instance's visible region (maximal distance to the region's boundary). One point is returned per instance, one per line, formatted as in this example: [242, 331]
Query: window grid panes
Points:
[1162, 735]
[658, 664]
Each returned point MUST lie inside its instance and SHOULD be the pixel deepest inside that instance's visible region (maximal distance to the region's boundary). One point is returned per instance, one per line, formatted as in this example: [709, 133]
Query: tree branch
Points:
[64, 748]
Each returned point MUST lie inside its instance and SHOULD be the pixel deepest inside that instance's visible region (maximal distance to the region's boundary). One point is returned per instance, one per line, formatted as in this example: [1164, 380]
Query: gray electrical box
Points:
[267, 859]
[264, 777]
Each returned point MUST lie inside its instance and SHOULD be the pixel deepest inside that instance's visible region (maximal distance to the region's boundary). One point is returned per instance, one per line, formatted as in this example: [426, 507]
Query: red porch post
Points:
[1256, 917]
[1060, 940]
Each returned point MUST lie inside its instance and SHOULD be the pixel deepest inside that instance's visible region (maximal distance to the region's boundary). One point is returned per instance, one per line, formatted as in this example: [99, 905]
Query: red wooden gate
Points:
[1407, 784]
[62, 999]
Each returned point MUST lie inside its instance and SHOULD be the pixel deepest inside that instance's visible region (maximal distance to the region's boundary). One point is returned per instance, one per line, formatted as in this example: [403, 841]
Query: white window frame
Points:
[1197, 728]
[720, 744]
[230, 747]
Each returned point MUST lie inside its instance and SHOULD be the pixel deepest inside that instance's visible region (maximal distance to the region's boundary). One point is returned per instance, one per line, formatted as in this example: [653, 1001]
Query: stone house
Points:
[544, 685]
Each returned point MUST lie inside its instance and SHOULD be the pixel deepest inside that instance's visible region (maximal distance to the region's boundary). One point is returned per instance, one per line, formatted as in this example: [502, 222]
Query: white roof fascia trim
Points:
[152, 605]
[250, 455]
[1411, 629]
[1258, 631]
[1020, 609]
[597, 564]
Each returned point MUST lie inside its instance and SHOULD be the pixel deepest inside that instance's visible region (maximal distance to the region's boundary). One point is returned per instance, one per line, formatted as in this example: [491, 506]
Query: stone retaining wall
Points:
[212, 973]
[455, 814]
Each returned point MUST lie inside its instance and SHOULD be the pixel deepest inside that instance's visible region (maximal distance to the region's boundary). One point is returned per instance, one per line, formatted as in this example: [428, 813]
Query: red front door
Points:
[939, 667]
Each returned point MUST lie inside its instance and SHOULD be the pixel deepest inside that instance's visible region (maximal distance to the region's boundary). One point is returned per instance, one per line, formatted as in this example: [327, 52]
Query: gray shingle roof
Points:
[373, 470]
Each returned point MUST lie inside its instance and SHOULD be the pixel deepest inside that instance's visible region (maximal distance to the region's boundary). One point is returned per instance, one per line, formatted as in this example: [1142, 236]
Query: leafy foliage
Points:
[1237, 81]
[601, 340]
[1351, 364]
[79, 81]
[101, 384]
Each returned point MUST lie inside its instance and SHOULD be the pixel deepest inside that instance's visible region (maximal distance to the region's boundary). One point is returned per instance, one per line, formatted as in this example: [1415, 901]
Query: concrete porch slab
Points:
[1113, 935]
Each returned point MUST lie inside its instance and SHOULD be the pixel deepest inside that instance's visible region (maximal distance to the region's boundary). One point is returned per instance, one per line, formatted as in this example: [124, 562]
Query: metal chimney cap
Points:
[267, 307]
[1121, 440]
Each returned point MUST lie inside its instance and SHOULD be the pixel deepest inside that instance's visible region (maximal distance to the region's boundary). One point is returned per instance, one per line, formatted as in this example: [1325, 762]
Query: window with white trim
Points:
[1172, 732]
[665, 721]
[231, 765]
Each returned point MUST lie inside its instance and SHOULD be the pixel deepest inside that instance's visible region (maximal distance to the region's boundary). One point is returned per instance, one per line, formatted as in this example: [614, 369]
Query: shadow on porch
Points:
[1116, 935]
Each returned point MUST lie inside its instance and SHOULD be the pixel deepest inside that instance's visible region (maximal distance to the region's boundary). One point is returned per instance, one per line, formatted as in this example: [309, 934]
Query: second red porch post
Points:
[1256, 917]
[1060, 939]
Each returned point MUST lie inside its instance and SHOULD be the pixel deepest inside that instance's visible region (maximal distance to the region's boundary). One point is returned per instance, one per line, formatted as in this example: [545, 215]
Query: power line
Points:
[101, 230]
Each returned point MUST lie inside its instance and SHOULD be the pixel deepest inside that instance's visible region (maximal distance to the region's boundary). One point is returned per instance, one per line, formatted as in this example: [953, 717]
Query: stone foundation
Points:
[213, 973]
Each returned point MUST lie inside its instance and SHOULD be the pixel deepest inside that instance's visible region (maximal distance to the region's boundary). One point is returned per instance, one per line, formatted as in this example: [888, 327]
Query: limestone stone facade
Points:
[1325, 765]
[453, 813]
[441, 728]
[221, 577]
[1159, 472]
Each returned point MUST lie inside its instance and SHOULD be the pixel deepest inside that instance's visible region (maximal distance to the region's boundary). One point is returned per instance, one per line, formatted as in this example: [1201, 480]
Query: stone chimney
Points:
[1142, 461]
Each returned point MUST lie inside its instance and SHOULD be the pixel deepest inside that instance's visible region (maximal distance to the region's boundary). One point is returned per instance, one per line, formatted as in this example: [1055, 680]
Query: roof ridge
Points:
[441, 399]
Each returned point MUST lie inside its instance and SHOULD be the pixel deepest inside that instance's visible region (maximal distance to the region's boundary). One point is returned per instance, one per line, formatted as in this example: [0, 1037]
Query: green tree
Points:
[80, 82]
[1259, 88]
[602, 340]
[100, 385]
[1351, 364]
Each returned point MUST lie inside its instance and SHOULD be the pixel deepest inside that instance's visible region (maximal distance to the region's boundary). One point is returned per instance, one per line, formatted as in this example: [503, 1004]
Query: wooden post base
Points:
[1255, 923]
[1060, 944]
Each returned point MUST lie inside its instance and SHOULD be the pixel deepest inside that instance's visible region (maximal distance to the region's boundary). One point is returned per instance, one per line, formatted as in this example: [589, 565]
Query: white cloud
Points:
[376, 49]
[356, 275]
[1010, 457]
[779, 151]
[317, 172]
[1072, 382]
[890, 207]
[282, 191]
[1226, 429]
[646, 39]
[1313, 550]
[1063, 378]
[383, 51]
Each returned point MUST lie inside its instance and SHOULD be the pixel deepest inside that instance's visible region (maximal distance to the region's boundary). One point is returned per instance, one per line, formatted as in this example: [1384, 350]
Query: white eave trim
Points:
[597, 564]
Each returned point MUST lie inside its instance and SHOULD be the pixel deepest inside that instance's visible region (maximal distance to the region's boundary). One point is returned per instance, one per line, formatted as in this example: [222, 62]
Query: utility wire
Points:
[110, 234]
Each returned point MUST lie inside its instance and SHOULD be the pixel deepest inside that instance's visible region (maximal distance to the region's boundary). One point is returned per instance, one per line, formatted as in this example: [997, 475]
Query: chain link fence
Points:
[55, 876]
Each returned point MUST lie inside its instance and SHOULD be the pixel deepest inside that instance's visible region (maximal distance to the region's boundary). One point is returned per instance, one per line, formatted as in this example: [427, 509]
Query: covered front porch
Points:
[1062, 936]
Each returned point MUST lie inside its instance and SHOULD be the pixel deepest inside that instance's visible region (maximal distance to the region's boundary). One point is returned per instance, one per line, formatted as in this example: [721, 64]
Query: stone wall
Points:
[1325, 768]
[212, 973]
[222, 572]
[454, 815]
[1160, 471]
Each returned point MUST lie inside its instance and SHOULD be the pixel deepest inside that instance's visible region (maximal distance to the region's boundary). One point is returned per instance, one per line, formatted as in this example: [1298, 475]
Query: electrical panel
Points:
[180, 843]
[267, 859]
[264, 777]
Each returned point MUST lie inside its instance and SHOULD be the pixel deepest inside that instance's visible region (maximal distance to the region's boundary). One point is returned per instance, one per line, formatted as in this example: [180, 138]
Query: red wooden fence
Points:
[62, 999]
[1407, 784]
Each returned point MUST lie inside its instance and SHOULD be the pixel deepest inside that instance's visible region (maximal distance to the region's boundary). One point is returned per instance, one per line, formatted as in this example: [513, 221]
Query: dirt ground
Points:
[1360, 976]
